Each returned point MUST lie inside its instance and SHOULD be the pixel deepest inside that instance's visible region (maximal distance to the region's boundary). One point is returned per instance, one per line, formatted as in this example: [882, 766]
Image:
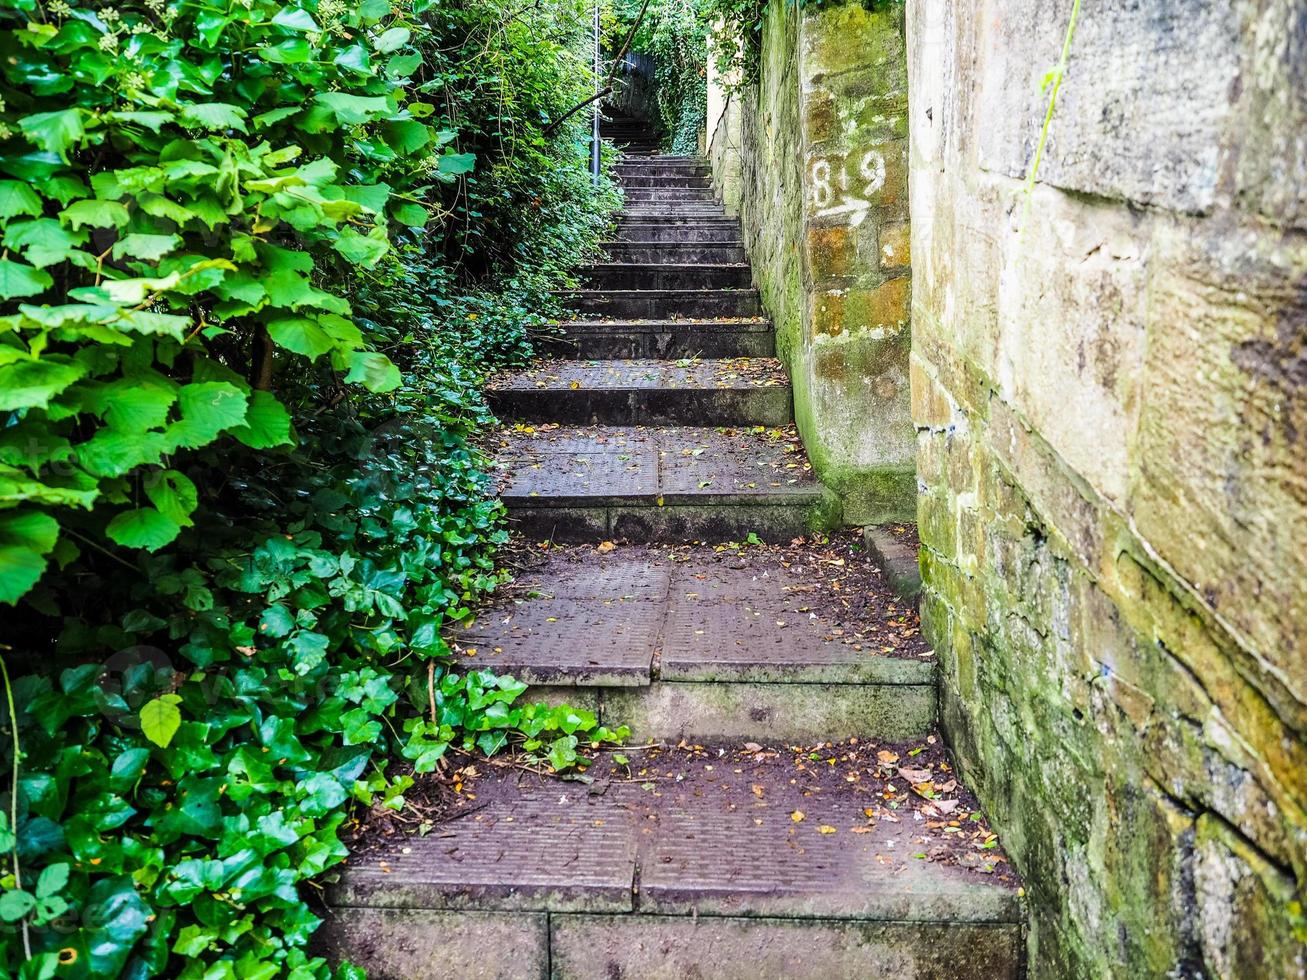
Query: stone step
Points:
[589, 483]
[677, 253]
[666, 339]
[677, 211]
[652, 304]
[735, 862]
[738, 391]
[665, 181]
[630, 275]
[658, 168]
[705, 231]
[706, 644]
[637, 197]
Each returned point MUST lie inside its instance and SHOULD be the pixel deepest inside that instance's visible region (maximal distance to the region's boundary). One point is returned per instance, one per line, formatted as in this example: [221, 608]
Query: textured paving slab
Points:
[533, 849]
[737, 391]
[668, 275]
[630, 615]
[736, 833]
[563, 464]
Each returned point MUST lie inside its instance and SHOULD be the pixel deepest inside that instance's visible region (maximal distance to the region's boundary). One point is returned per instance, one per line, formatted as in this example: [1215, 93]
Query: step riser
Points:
[653, 406]
[675, 211]
[658, 196]
[661, 172]
[646, 522]
[672, 343]
[684, 277]
[402, 943]
[667, 182]
[658, 305]
[670, 253]
[680, 233]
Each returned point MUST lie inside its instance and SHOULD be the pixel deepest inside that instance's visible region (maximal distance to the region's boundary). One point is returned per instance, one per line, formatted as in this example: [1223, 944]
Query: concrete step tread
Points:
[632, 615]
[740, 830]
[644, 374]
[562, 463]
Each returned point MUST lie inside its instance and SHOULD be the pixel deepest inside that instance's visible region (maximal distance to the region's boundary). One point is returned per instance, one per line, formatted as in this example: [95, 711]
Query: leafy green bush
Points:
[258, 259]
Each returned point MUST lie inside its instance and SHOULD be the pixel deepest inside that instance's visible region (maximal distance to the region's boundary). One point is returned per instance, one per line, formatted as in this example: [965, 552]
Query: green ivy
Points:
[258, 257]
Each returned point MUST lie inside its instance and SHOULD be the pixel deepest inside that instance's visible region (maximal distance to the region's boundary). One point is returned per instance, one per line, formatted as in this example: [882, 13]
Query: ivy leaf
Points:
[17, 198]
[20, 279]
[295, 19]
[54, 131]
[15, 904]
[267, 423]
[161, 718]
[144, 528]
[213, 116]
[373, 370]
[53, 879]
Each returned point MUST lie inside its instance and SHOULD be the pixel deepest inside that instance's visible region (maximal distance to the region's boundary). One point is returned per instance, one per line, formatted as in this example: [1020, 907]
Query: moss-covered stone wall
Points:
[814, 160]
[1110, 395]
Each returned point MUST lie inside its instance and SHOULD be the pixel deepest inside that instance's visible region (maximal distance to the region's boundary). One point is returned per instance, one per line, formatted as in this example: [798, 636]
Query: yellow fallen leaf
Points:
[862, 830]
[757, 790]
[826, 829]
[797, 815]
[604, 547]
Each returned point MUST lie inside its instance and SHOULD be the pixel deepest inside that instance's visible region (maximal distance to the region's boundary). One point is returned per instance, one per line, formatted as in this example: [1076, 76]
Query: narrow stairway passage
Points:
[787, 807]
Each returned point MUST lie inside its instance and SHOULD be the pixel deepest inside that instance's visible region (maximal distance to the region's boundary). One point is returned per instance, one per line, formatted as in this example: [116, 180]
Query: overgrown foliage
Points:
[258, 257]
[737, 33]
[675, 35]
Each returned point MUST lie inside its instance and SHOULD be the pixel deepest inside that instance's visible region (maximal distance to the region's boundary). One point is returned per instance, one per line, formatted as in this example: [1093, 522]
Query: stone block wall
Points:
[1109, 384]
[814, 160]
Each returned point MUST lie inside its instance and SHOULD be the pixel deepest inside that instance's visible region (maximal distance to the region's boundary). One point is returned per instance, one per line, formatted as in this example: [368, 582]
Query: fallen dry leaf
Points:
[797, 815]
[826, 829]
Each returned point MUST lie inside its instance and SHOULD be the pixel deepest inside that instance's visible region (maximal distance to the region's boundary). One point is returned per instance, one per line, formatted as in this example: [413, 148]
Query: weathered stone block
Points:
[895, 245]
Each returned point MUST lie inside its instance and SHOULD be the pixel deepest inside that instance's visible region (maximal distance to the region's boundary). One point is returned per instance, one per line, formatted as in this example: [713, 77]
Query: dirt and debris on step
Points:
[837, 806]
[829, 582]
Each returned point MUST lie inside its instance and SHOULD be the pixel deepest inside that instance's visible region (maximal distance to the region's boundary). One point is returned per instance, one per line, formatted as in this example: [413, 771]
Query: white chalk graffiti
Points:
[848, 193]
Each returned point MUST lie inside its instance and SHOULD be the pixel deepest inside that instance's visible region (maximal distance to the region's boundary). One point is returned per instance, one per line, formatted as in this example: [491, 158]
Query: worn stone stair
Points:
[662, 416]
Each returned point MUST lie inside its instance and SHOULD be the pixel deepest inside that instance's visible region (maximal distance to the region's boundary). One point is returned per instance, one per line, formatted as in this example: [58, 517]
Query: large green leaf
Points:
[151, 248]
[374, 371]
[143, 527]
[42, 242]
[31, 384]
[94, 214]
[17, 198]
[19, 279]
[173, 494]
[353, 110]
[54, 131]
[213, 116]
[267, 423]
[364, 250]
[300, 335]
[207, 408]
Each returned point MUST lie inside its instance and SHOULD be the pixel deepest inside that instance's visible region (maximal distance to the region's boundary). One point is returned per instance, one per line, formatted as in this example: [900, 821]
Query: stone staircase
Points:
[762, 824]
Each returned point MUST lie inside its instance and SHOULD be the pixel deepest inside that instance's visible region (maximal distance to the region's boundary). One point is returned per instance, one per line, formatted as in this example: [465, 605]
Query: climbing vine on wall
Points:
[675, 35]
